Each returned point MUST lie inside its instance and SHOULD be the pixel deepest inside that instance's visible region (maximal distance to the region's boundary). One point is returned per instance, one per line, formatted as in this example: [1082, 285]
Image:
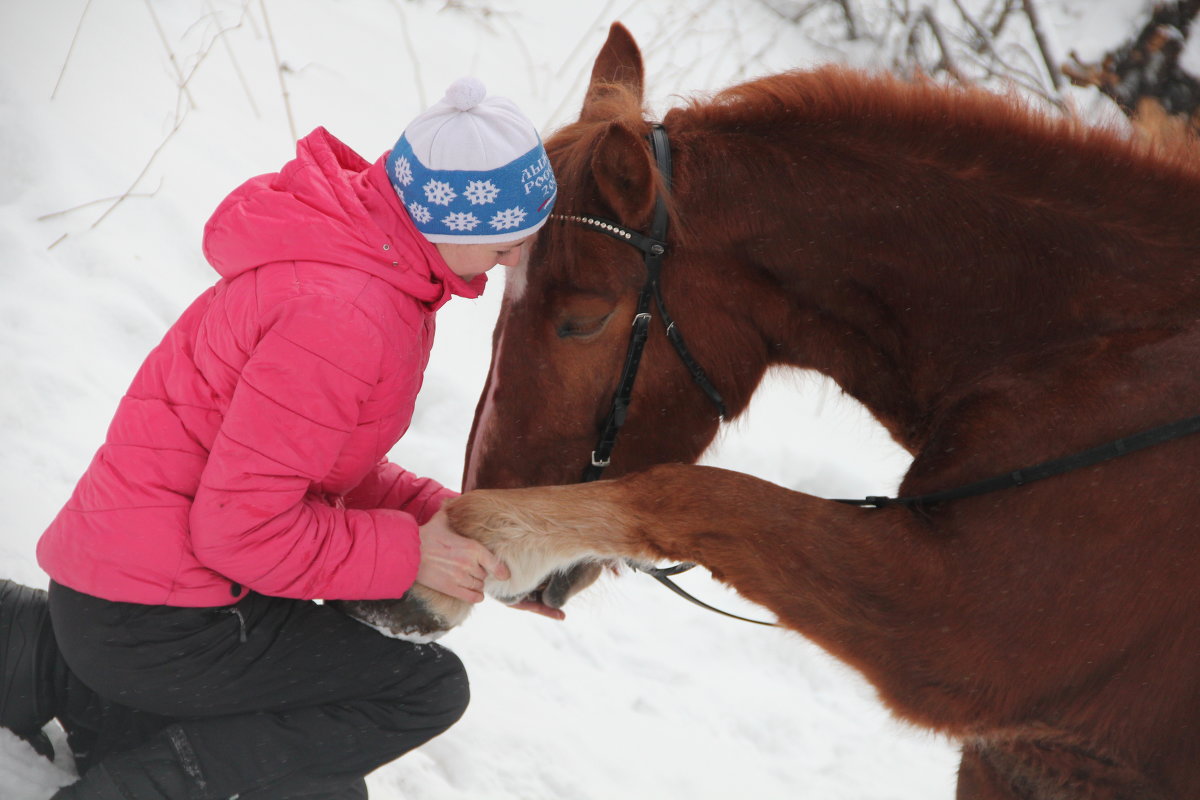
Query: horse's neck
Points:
[908, 278]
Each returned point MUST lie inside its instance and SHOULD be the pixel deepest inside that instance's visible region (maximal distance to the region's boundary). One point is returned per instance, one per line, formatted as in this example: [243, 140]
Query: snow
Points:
[637, 694]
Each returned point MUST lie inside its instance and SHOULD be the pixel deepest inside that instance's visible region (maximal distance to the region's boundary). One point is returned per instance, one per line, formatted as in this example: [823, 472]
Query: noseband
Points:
[653, 248]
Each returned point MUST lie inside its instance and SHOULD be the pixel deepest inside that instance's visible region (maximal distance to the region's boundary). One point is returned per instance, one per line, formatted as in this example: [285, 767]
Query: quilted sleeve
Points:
[392, 486]
[255, 519]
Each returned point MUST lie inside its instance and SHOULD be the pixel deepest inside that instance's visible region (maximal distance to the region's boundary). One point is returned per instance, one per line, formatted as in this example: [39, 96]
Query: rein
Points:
[1046, 469]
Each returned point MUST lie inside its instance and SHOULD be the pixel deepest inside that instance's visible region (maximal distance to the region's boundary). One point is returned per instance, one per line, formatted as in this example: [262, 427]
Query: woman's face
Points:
[469, 260]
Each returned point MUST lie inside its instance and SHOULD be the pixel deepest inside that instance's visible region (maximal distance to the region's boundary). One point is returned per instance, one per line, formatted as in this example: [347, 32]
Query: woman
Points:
[244, 476]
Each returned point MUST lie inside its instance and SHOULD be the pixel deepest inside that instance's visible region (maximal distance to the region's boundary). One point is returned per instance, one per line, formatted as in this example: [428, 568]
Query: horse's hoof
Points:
[421, 615]
[562, 586]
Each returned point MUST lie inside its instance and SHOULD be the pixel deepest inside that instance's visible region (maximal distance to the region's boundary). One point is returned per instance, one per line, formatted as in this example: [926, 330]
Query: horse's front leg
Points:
[867, 585]
[541, 531]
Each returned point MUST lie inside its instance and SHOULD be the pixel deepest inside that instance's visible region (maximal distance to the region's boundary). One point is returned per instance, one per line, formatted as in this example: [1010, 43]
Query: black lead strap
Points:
[1046, 469]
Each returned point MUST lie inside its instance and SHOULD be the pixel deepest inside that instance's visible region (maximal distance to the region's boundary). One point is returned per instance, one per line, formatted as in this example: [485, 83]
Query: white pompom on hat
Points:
[472, 169]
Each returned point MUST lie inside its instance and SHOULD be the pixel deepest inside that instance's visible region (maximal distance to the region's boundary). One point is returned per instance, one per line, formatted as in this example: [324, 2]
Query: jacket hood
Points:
[329, 205]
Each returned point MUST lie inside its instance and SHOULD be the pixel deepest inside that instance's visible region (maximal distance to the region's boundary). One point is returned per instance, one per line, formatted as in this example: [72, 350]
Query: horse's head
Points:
[565, 323]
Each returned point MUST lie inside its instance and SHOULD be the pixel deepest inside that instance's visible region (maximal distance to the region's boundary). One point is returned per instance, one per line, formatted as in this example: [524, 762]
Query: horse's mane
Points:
[837, 96]
[1001, 143]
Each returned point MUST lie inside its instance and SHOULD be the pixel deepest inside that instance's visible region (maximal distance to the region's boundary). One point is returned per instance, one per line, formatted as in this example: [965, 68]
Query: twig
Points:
[851, 25]
[520, 41]
[203, 55]
[287, 103]
[584, 69]
[1002, 18]
[70, 50]
[1023, 79]
[412, 54]
[795, 16]
[121, 197]
[1026, 80]
[984, 38]
[1051, 67]
[947, 61]
[233, 58]
[166, 43]
[746, 61]
[91, 203]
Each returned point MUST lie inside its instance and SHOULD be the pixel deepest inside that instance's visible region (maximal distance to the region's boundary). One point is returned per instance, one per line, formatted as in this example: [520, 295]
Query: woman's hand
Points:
[455, 565]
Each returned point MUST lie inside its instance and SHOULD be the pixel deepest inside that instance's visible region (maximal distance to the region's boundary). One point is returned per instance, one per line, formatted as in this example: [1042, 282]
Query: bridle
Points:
[653, 248]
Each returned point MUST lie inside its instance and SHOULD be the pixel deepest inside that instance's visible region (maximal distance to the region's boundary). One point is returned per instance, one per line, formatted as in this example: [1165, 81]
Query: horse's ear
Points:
[620, 160]
[618, 64]
[624, 174]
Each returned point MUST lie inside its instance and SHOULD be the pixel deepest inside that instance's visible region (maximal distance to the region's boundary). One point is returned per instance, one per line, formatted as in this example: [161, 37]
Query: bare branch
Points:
[237, 68]
[166, 43]
[279, 69]
[792, 16]
[128, 192]
[1035, 24]
[984, 37]
[203, 55]
[91, 203]
[71, 49]
[851, 23]
[1005, 13]
[411, 48]
[947, 61]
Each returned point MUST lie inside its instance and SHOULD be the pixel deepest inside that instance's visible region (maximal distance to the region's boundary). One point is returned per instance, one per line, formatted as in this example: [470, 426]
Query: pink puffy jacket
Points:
[249, 452]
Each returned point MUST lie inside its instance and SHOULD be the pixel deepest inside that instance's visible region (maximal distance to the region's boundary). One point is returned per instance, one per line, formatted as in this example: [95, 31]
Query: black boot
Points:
[152, 771]
[29, 663]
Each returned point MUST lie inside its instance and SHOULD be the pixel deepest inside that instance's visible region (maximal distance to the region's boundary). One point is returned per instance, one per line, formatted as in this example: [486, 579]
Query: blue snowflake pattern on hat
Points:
[439, 192]
[508, 218]
[419, 213]
[451, 205]
[461, 221]
[481, 192]
[402, 174]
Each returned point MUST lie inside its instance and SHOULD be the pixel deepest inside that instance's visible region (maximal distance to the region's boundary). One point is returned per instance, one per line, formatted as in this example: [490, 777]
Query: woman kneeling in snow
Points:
[244, 475]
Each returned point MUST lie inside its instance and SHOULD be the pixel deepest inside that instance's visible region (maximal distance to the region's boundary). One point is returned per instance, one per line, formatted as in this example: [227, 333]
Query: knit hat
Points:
[472, 169]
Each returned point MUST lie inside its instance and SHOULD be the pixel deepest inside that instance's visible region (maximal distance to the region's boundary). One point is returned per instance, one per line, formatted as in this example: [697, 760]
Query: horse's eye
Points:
[582, 327]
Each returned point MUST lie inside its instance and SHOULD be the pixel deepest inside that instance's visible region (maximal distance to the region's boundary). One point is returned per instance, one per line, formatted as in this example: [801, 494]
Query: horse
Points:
[999, 287]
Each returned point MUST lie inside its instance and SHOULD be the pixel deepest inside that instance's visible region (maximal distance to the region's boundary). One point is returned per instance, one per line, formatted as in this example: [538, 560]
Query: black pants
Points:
[270, 698]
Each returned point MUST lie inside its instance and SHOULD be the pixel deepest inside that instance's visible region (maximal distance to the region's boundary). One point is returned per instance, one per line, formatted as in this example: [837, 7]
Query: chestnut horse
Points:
[999, 289]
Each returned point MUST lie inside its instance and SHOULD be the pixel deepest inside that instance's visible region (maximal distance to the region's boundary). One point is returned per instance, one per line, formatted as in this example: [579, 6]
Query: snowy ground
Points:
[637, 695]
